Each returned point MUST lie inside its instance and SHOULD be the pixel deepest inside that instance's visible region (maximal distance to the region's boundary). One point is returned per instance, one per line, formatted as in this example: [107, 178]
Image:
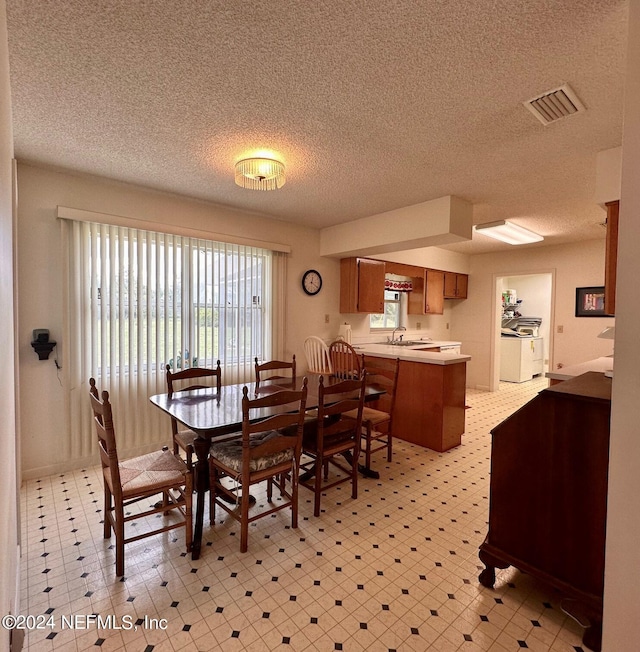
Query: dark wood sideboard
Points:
[548, 501]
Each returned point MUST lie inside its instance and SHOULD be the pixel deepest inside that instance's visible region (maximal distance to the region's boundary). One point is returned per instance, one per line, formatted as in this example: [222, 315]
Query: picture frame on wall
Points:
[590, 302]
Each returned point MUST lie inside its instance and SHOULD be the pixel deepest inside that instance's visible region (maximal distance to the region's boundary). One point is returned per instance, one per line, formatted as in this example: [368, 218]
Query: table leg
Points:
[201, 446]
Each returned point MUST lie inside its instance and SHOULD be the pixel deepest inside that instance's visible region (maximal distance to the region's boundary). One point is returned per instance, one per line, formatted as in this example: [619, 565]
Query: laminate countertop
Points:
[420, 352]
[601, 365]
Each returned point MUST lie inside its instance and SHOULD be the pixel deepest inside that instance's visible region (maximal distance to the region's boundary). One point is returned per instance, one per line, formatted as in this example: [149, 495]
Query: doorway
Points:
[533, 297]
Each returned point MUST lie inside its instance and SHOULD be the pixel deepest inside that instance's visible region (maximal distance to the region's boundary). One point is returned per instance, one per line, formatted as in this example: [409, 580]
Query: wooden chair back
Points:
[333, 402]
[317, 354]
[345, 362]
[193, 378]
[383, 372]
[103, 419]
[266, 370]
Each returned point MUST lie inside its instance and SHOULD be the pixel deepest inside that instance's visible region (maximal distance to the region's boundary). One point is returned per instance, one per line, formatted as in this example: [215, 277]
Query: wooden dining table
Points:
[212, 415]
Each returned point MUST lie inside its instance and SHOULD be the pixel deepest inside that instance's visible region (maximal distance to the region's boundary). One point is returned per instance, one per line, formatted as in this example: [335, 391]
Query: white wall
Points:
[9, 561]
[622, 588]
[535, 290]
[575, 265]
[40, 283]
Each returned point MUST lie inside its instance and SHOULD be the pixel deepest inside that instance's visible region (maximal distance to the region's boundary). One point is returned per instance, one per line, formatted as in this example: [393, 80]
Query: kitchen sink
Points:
[406, 342]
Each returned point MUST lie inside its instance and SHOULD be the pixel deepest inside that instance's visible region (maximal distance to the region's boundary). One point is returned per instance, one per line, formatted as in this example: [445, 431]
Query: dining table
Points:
[213, 415]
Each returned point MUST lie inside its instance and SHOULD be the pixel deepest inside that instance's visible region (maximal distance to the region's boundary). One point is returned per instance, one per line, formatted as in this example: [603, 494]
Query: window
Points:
[391, 317]
[160, 299]
[136, 301]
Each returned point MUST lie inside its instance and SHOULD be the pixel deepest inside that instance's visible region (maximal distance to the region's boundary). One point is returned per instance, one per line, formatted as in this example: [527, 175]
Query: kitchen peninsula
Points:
[430, 397]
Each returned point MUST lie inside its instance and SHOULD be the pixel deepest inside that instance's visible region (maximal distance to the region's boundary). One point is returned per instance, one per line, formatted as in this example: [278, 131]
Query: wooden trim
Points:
[611, 257]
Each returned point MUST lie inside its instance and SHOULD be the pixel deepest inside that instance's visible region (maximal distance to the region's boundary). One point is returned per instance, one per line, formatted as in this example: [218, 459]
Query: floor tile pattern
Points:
[395, 569]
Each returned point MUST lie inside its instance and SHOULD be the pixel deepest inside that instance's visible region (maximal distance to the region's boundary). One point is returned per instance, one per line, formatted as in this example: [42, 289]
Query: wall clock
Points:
[312, 282]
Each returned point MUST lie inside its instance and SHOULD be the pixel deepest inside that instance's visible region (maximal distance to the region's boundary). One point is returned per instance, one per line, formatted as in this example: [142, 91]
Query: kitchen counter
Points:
[601, 365]
[430, 395]
[416, 353]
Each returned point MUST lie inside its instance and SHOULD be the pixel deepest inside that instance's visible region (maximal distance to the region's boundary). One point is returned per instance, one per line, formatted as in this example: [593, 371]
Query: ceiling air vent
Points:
[554, 105]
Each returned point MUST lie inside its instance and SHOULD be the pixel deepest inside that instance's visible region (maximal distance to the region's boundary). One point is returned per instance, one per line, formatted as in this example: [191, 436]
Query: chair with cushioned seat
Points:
[187, 379]
[129, 481]
[269, 449]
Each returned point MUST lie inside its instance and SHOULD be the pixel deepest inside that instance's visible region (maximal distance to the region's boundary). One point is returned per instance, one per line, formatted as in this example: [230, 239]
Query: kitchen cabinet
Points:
[434, 295]
[361, 285]
[611, 257]
[427, 296]
[455, 285]
[548, 494]
[521, 358]
[429, 408]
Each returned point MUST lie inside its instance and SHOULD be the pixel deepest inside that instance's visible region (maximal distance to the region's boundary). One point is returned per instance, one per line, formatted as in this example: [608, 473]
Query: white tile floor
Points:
[395, 569]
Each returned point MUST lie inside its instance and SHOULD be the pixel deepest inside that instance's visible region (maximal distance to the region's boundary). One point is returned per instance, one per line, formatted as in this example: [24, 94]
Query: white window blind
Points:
[140, 300]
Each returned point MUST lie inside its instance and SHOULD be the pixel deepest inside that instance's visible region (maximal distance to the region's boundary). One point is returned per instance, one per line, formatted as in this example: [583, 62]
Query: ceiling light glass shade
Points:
[260, 174]
[508, 232]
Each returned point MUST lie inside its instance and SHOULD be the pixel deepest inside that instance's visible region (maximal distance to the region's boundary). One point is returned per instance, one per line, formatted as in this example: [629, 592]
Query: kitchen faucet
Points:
[393, 335]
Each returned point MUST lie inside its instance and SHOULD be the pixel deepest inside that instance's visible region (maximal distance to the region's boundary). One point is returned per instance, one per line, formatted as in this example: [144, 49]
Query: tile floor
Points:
[395, 569]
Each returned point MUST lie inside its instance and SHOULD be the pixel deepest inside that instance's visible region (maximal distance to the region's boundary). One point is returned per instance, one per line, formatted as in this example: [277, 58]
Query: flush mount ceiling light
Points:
[508, 232]
[260, 174]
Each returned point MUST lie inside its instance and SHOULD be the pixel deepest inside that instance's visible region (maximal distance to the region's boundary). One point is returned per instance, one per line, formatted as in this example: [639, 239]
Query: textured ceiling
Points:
[371, 105]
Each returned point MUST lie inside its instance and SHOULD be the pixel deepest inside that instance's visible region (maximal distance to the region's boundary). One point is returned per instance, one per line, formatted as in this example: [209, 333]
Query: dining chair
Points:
[345, 362]
[187, 379]
[377, 421]
[317, 353]
[332, 439]
[266, 370]
[129, 481]
[269, 449]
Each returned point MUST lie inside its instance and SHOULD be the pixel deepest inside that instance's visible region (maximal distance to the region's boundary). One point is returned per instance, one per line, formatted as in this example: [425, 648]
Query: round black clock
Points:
[312, 282]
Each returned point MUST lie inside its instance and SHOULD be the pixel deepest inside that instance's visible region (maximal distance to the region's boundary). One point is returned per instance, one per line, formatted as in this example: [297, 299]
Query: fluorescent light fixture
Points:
[508, 232]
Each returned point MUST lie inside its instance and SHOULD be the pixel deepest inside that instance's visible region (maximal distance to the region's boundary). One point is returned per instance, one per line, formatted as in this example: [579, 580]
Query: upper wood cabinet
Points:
[434, 297]
[362, 285]
[611, 257]
[455, 285]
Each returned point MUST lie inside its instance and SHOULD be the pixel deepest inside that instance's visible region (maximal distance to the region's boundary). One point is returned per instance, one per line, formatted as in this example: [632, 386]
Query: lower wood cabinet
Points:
[430, 404]
[548, 496]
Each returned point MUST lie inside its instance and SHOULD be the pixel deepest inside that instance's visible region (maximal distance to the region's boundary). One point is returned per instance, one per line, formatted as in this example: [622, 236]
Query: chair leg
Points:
[269, 490]
[212, 496]
[188, 513]
[107, 511]
[389, 440]
[354, 474]
[119, 528]
[294, 493]
[317, 486]
[244, 520]
[367, 448]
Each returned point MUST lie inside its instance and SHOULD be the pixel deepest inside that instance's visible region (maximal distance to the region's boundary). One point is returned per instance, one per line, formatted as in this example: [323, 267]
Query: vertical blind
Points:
[138, 301]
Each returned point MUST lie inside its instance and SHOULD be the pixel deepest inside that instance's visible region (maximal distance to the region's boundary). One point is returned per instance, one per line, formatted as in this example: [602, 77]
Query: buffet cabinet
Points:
[548, 497]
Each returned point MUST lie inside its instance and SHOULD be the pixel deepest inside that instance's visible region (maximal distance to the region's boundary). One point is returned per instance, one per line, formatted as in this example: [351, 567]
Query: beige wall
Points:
[41, 291]
[474, 320]
[622, 588]
[9, 597]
